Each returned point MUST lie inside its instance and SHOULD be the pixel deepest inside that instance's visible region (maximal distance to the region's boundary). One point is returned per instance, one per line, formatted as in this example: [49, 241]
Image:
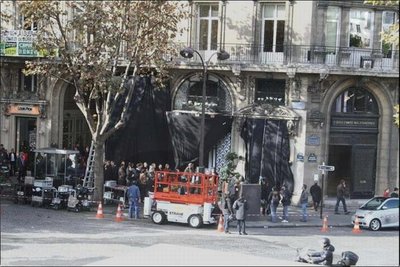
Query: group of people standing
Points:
[141, 173]
[233, 205]
[273, 196]
[17, 163]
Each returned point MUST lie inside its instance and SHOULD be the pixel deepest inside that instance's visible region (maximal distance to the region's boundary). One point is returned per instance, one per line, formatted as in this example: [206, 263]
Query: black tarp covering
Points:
[185, 132]
[267, 151]
[145, 136]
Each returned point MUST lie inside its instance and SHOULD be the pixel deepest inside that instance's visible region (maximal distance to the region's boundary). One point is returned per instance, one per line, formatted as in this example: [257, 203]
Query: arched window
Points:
[355, 100]
[189, 95]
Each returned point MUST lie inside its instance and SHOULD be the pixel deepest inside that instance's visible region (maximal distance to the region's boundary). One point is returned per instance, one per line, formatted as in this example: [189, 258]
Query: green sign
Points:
[10, 49]
[26, 49]
[2, 46]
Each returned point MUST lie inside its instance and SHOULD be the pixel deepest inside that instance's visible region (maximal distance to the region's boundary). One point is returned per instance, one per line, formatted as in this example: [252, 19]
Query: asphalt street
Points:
[39, 236]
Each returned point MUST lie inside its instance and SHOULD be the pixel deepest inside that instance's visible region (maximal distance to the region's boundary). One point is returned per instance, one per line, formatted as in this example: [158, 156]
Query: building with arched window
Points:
[306, 83]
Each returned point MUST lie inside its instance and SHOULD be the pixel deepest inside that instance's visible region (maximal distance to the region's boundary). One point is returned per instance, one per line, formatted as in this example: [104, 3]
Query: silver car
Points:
[378, 212]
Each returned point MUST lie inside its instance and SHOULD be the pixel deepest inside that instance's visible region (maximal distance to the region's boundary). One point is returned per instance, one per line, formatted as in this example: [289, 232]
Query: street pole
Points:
[203, 118]
[221, 55]
[322, 190]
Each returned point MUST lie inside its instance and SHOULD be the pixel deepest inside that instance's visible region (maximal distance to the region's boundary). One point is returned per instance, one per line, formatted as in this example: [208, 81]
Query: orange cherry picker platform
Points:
[183, 197]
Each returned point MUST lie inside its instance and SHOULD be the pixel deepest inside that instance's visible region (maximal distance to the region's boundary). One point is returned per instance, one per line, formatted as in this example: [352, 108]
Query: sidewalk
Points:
[314, 220]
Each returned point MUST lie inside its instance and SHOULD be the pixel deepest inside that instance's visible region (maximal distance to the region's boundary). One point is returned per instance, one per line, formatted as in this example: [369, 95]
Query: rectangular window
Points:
[388, 20]
[274, 27]
[361, 36]
[25, 24]
[208, 22]
[332, 28]
[270, 91]
[28, 83]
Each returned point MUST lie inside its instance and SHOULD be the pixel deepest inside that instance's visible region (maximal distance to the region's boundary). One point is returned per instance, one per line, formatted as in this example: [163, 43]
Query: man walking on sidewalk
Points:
[286, 196]
[316, 194]
[341, 191]
[303, 203]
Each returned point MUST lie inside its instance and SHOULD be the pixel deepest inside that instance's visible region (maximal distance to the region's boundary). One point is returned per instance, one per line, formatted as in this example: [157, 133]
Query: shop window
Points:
[355, 100]
[270, 91]
[274, 27]
[208, 22]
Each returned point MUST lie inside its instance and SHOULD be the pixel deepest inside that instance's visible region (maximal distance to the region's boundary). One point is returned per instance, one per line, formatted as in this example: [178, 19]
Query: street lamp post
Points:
[189, 52]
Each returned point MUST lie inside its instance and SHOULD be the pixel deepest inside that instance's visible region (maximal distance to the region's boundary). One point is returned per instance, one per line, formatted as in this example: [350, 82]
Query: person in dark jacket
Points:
[325, 257]
[274, 198]
[341, 191]
[285, 200]
[240, 206]
[265, 191]
[134, 200]
[395, 192]
[316, 194]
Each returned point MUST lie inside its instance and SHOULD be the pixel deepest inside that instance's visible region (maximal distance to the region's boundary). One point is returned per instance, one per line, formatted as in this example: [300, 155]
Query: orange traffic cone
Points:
[220, 224]
[118, 216]
[100, 214]
[356, 228]
[325, 225]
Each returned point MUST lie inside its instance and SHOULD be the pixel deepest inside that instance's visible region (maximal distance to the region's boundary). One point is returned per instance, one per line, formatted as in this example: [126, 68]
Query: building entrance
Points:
[356, 164]
[25, 139]
[353, 143]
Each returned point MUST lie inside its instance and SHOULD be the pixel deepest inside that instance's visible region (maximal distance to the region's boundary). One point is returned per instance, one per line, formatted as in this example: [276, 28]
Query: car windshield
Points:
[373, 204]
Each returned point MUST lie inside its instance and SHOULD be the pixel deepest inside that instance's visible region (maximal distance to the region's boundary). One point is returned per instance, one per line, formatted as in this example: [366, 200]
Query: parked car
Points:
[377, 213]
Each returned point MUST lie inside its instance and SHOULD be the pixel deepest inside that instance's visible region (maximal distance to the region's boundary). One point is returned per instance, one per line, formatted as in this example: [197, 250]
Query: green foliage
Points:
[390, 36]
[396, 115]
[229, 170]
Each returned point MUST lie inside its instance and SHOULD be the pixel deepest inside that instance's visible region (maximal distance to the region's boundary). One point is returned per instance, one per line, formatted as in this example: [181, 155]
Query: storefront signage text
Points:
[18, 109]
[354, 123]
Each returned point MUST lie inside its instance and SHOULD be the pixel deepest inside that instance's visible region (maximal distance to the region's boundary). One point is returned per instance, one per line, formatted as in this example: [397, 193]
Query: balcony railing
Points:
[334, 57]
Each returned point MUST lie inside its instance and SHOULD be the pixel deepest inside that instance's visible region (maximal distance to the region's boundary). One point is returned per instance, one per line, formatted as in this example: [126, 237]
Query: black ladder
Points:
[88, 180]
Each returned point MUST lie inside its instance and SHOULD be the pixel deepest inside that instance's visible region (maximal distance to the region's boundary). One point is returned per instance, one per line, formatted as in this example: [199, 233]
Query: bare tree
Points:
[98, 46]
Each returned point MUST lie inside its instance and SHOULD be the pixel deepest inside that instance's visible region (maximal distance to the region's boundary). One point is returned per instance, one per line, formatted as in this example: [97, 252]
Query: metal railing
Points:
[334, 57]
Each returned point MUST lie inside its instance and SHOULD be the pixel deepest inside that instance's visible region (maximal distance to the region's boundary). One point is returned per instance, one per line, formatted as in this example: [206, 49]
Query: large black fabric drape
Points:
[267, 151]
[185, 133]
[145, 136]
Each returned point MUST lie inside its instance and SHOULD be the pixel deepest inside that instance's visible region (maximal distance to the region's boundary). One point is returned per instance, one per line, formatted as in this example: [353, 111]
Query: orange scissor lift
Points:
[182, 197]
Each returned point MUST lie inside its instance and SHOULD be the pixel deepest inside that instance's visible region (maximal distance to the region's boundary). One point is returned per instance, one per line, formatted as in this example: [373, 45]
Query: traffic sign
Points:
[326, 168]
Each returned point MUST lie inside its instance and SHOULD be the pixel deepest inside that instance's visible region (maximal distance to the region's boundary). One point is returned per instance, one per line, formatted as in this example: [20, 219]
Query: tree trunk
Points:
[98, 170]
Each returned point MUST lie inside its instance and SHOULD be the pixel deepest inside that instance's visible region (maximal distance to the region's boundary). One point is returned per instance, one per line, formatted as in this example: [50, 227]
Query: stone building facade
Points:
[318, 66]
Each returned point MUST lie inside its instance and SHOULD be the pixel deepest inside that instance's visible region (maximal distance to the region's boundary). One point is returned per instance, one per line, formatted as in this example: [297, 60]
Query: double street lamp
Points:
[189, 52]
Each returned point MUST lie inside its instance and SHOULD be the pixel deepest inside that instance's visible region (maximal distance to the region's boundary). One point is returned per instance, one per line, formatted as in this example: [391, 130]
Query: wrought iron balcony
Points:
[334, 57]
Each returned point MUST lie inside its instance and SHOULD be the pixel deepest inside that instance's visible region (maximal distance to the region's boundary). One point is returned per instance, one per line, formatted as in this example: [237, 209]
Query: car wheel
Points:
[158, 217]
[375, 225]
[195, 221]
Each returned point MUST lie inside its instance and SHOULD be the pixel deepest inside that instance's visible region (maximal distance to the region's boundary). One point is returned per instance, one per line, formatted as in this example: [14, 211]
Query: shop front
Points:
[353, 142]
[22, 127]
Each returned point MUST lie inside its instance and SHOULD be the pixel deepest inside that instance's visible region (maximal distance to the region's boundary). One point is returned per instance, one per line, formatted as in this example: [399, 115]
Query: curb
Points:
[264, 226]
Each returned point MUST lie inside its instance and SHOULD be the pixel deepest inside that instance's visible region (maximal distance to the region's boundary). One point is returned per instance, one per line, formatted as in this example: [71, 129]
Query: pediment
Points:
[268, 111]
